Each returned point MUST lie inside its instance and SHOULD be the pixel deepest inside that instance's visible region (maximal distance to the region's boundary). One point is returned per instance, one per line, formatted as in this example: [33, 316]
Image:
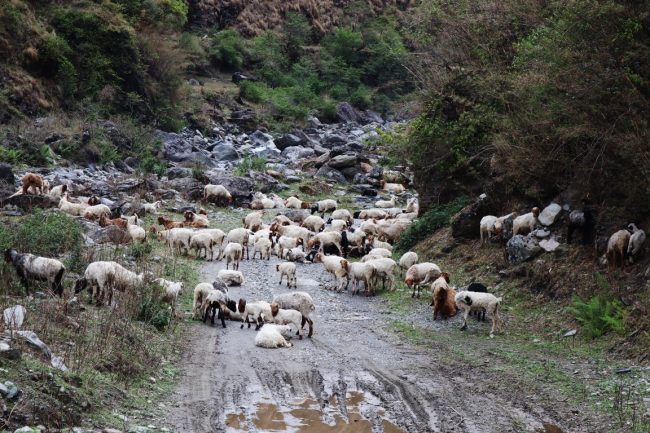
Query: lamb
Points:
[36, 182]
[324, 206]
[287, 269]
[443, 297]
[105, 277]
[198, 221]
[635, 245]
[231, 278]
[525, 223]
[233, 253]
[343, 214]
[152, 208]
[383, 268]
[413, 206]
[361, 272]
[336, 266]
[369, 227]
[295, 255]
[171, 291]
[202, 241]
[326, 239]
[287, 243]
[104, 221]
[264, 203]
[375, 214]
[407, 260]
[71, 208]
[296, 203]
[58, 191]
[177, 239]
[263, 246]
[253, 221]
[487, 228]
[201, 292]
[292, 231]
[96, 211]
[352, 241]
[282, 220]
[283, 316]
[380, 252]
[217, 239]
[314, 223]
[218, 193]
[257, 310]
[137, 233]
[419, 274]
[386, 203]
[31, 267]
[468, 301]
[371, 241]
[299, 301]
[216, 301]
[133, 219]
[617, 247]
[239, 236]
[270, 336]
[170, 224]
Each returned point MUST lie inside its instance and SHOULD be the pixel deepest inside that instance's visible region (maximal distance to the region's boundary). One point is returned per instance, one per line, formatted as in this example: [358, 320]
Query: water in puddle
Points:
[306, 416]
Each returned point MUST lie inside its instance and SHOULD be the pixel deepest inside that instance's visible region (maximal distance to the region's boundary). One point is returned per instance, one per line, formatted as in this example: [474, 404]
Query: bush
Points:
[598, 316]
[227, 50]
[152, 310]
[436, 218]
[257, 163]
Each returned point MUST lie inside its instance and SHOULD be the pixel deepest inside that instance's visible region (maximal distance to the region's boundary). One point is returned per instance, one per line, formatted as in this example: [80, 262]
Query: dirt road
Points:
[352, 376]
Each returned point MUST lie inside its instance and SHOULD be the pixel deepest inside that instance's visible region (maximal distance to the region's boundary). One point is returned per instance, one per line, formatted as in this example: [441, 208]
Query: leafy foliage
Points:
[598, 316]
[257, 163]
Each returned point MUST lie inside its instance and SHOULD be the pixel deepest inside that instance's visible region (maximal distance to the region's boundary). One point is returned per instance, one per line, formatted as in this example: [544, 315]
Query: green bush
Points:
[249, 162]
[598, 316]
[227, 50]
[254, 91]
[152, 310]
[434, 219]
[12, 156]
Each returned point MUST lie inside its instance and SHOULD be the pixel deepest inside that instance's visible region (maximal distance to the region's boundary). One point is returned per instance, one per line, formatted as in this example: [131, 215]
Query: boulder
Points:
[365, 190]
[331, 174]
[241, 188]
[296, 215]
[520, 249]
[109, 235]
[549, 245]
[7, 174]
[346, 113]
[550, 214]
[314, 122]
[288, 140]
[259, 138]
[343, 161]
[466, 223]
[178, 172]
[27, 202]
[351, 172]
[333, 140]
[246, 118]
[225, 152]
[295, 153]
[14, 316]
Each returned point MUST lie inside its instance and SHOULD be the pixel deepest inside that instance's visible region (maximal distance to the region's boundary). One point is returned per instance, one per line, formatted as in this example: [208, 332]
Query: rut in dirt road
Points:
[351, 376]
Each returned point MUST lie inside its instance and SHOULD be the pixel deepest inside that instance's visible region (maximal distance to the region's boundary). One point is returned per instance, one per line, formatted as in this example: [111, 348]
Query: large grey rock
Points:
[178, 172]
[550, 214]
[14, 316]
[7, 174]
[27, 202]
[260, 138]
[241, 188]
[520, 249]
[549, 245]
[343, 161]
[331, 174]
[295, 153]
[225, 152]
[109, 235]
[288, 140]
[334, 140]
[266, 151]
[347, 113]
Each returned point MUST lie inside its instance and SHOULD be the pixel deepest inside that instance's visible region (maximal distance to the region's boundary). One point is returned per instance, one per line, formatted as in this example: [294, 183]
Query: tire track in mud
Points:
[350, 377]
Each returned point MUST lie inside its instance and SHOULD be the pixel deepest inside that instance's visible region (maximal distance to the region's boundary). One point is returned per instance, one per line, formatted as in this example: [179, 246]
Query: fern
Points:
[598, 316]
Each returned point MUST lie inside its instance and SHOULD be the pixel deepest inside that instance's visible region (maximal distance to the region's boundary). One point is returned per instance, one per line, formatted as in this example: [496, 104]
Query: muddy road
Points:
[354, 375]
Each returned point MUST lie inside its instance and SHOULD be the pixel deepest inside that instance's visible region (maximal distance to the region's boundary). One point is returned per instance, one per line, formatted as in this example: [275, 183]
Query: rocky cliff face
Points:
[251, 17]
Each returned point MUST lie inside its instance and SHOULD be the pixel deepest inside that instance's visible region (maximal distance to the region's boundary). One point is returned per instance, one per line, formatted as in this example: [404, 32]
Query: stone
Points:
[343, 161]
[549, 245]
[27, 202]
[295, 153]
[520, 249]
[260, 138]
[225, 152]
[550, 214]
[314, 122]
[331, 173]
[109, 235]
[14, 316]
[347, 113]
[241, 188]
[542, 233]
[333, 140]
[178, 172]
[238, 77]
[12, 390]
[288, 140]
[465, 224]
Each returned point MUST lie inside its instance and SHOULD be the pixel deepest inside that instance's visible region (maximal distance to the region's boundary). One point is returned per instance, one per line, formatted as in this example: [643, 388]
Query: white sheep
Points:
[71, 208]
[525, 223]
[58, 191]
[218, 237]
[337, 225]
[299, 301]
[270, 336]
[105, 277]
[314, 223]
[137, 233]
[326, 239]
[253, 221]
[263, 246]
[343, 214]
[380, 252]
[216, 300]
[287, 269]
[486, 228]
[475, 301]
[231, 278]
[96, 211]
[133, 219]
[282, 316]
[31, 267]
[295, 255]
[324, 206]
[617, 247]
[177, 239]
[635, 245]
[239, 236]
[218, 193]
[286, 243]
[233, 253]
[282, 220]
[420, 274]
[201, 292]
[292, 231]
[263, 203]
[171, 291]
[373, 242]
[375, 214]
[413, 206]
[383, 269]
[369, 227]
[353, 241]
[360, 272]
[296, 203]
[386, 203]
[407, 260]
[202, 241]
[152, 207]
[255, 310]
[395, 188]
[336, 266]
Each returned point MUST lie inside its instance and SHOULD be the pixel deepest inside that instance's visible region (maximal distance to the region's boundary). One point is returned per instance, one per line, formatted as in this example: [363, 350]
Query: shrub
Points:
[249, 162]
[227, 50]
[434, 219]
[152, 310]
[254, 91]
[361, 98]
[598, 315]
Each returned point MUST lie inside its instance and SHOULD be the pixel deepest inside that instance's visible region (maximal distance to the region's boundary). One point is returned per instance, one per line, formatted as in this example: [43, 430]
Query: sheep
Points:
[395, 188]
[391, 175]
[371, 241]
[326, 239]
[299, 301]
[352, 241]
[343, 214]
[71, 208]
[525, 223]
[386, 203]
[257, 310]
[295, 255]
[96, 211]
[369, 227]
[239, 236]
[617, 247]
[283, 316]
[216, 301]
[231, 278]
[253, 221]
[503, 225]
[170, 224]
[93, 200]
[270, 336]
[104, 221]
[217, 239]
[282, 220]
[171, 291]
[133, 219]
[177, 239]
[407, 216]
[407, 260]
[292, 231]
[336, 266]
[105, 277]
[383, 268]
[202, 241]
[390, 232]
[380, 252]
[198, 221]
[152, 208]
[337, 225]
[137, 233]
[287, 243]
[287, 269]
[468, 301]
[314, 223]
[201, 292]
[296, 203]
[324, 206]
[480, 288]
[36, 182]
[486, 228]
[58, 191]
[361, 272]
[233, 253]
[218, 193]
[420, 274]
[264, 203]
[375, 214]
[31, 267]
[413, 206]
[635, 245]
[263, 246]
[443, 297]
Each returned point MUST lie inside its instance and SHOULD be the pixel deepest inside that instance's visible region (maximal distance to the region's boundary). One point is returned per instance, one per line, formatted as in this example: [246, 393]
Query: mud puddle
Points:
[311, 416]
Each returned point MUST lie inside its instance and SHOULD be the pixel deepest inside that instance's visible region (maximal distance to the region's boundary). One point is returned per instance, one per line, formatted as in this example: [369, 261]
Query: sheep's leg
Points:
[244, 321]
[311, 327]
[465, 314]
[260, 322]
[281, 276]
[222, 317]
[23, 279]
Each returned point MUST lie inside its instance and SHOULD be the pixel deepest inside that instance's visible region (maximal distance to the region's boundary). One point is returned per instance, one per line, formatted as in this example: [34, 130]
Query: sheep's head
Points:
[274, 227]
[445, 275]
[229, 197]
[274, 309]
[9, 254]
[241, 306]
[318, 257]
[46, 187]
[203, 211]
[535, 212]
[189, 216]
[314, 209]
[409, 281]
[632, 227]
[93, 200]
[162, 220]
[306, 205]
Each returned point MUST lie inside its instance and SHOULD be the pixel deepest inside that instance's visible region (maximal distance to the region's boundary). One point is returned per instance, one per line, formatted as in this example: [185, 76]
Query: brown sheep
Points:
[443, 297]
[169, 224]
[119, 222]
[36, 183]
[195, 220]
